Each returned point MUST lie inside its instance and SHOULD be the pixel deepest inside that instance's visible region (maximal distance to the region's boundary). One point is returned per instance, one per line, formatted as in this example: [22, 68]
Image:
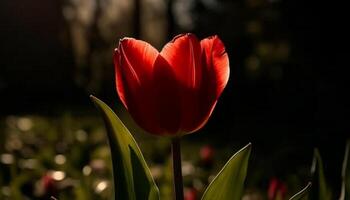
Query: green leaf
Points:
[228, 184]
[345, 189]
[302, 193]
[132, 178]
[320, 190]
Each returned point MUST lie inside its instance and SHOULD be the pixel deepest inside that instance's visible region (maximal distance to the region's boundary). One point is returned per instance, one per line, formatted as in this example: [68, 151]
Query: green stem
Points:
[176, 153]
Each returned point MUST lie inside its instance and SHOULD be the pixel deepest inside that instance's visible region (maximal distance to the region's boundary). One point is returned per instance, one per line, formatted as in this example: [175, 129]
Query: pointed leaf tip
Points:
[302, 193]
[94, 99]
[345, 186]
[249, 145]
[228, 184]
[320, 190]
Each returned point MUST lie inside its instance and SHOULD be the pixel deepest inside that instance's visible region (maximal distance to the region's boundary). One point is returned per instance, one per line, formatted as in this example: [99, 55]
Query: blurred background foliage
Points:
[55, 53]
[67, 157]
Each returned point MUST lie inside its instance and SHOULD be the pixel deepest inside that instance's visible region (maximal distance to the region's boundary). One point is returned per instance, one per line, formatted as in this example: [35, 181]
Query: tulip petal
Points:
[217, 63]
[133, 62]
[167, 97]
[215, 74]
[183, 55]
[138, 57]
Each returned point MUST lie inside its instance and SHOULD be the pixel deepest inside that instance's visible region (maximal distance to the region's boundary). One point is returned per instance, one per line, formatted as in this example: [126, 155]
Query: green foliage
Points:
[131, 175]
[302, 194]
[320, 190]
[228, 184]
[29, 154]
[345, 189]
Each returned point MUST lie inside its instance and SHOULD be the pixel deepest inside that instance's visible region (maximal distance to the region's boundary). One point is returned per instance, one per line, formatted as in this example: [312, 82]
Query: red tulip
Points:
[172, 92]
[277, 190]
[206, 154]
[49, 185]
[191, 194]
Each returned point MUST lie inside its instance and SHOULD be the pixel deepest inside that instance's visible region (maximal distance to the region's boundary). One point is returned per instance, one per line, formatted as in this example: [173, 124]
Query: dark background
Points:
[282, 95]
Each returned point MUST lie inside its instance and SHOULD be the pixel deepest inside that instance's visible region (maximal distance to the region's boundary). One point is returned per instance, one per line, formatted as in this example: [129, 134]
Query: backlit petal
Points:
[216, 63]
[133, 62]
[215, 74]
[183, 55]
[138, 57]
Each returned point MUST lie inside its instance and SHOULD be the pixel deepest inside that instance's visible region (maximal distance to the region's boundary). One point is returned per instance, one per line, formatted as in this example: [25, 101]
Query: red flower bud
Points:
[49, 185]
[277, 189]
[172, 92]
[206, 154]
[191, 194]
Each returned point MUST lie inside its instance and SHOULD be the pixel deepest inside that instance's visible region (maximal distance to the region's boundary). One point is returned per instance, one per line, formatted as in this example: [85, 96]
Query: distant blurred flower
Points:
[47, 185]
[172, 92]
[277, 190]
[191, 194]
[206, 154]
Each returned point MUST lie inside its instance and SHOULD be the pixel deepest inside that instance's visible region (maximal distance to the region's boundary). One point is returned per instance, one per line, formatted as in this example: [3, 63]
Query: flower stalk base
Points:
[177, 170]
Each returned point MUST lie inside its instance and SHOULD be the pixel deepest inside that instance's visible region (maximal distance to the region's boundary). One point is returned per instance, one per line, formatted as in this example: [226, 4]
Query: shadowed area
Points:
[281, 94]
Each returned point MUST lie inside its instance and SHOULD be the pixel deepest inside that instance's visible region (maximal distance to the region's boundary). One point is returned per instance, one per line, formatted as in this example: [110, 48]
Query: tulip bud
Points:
[172, 92]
